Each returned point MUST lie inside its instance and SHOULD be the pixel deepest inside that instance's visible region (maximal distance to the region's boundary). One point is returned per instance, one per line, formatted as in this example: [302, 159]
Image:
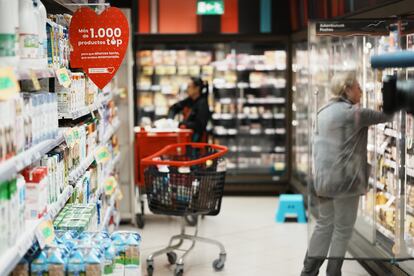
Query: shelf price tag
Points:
[8, 84]
[110, 185]
[35, 80]
[45, 233]
[102, 155]
[63, 77]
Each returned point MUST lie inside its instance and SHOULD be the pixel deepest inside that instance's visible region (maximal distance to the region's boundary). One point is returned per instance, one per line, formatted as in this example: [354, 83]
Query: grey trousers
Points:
[333, 230]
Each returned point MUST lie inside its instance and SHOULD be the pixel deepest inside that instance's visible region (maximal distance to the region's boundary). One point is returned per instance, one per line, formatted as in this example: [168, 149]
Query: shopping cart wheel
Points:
[218, 264]
[140, 221]
[172, 257]
[150, 269]
[191, 220]
[179, 270]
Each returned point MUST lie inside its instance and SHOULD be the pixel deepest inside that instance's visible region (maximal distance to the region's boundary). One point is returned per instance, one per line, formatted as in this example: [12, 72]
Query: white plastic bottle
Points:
[29, 33]
[9, 25]
[41, 15]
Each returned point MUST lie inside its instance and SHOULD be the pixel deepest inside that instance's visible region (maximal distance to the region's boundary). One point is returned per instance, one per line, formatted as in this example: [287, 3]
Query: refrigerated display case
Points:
[248, 99]
[300, 119]
[385, 215]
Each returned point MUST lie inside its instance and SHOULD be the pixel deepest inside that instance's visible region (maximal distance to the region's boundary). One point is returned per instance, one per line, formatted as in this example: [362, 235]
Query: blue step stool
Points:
[291, 205]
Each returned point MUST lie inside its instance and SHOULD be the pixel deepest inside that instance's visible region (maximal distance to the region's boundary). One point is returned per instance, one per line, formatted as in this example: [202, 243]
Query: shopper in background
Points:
[340, 172]
[195, 109]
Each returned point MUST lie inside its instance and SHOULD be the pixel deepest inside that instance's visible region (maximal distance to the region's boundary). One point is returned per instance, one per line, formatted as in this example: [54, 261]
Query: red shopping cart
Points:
[185, 179]
[148, 142]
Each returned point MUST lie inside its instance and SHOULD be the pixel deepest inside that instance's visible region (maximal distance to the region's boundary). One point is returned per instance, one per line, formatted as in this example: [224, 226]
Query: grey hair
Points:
[341, 82]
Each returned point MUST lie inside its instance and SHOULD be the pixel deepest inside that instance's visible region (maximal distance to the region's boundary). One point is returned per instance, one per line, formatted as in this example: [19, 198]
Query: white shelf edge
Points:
[387, 233]
[86, 109]
[54, 209]
[13, 255]
[390, 163]
[9, 168]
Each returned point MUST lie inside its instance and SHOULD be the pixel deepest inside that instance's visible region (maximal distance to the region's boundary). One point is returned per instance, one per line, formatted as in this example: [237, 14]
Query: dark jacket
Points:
[340, 148]
[196, 117]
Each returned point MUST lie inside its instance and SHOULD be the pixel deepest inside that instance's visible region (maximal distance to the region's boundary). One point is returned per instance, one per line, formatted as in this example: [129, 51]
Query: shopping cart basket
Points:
[185, 179]
[148, 142]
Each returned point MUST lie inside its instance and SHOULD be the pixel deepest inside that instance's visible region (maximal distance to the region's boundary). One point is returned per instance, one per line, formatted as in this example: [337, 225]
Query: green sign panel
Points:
[210, 7]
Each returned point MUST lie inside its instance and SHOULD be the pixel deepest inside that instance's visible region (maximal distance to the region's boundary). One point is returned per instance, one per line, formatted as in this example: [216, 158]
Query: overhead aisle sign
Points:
[99, 43]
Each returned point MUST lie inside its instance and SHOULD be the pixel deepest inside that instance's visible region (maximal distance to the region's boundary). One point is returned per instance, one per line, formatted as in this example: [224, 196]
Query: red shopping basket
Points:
[149, 142]
[186, 179]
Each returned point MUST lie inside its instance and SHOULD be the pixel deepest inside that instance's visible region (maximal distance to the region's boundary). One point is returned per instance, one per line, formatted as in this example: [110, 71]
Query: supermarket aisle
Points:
[255, 244]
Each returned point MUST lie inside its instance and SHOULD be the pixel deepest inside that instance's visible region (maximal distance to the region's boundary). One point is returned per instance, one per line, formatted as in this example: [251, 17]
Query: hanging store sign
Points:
[362, 27]
[99, 43]
[210, 7]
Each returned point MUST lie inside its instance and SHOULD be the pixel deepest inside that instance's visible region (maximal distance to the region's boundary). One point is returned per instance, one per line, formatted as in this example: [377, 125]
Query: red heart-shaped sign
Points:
[99, 43]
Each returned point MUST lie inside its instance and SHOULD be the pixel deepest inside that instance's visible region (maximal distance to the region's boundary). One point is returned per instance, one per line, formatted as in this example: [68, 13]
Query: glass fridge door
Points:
[300, 75]
[357, 154]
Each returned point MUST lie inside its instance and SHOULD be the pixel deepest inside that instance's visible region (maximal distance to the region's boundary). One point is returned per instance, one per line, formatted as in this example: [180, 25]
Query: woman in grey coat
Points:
[340, 172]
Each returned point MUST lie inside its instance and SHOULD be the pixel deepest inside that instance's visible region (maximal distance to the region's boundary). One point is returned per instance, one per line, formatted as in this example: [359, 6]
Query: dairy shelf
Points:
[54, 209]
[86, 163]
[10, 168]
[13, 255]
[102, 99]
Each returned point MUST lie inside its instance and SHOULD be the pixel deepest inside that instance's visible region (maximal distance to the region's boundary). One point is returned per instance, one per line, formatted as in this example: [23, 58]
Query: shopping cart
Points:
[185, 179]
[148, 142]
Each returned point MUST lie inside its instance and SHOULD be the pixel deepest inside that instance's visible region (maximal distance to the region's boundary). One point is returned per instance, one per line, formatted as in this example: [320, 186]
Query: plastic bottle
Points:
[9, 25]
[29, 33]
[41, 14]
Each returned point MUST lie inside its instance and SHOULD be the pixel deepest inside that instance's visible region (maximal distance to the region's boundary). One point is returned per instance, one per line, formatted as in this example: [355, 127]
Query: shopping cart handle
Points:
[152, 159]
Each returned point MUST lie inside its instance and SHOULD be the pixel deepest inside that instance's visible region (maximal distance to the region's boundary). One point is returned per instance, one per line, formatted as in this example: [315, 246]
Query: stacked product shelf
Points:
[65, 142]
[250, 105]
[163, 78]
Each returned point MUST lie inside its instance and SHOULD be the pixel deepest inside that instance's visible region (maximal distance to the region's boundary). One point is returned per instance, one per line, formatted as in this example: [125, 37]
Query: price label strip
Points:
[9, 86]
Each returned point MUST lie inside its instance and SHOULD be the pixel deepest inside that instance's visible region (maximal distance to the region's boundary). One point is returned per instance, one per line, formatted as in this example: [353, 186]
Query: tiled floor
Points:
[255, 244]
